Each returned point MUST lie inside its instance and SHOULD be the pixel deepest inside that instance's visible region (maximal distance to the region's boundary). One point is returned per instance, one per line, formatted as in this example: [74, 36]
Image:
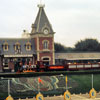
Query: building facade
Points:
[35, 46]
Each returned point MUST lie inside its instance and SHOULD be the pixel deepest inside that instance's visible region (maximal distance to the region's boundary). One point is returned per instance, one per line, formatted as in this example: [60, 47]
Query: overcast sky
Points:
[72, 20]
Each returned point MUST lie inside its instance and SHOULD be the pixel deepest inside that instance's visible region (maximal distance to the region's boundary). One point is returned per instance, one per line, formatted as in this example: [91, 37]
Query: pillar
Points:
[1, 64]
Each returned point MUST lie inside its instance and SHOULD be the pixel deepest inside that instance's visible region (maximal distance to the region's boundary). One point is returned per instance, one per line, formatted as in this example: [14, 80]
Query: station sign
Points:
[67, 95]
[9, 98]
[39, 96]
[93, 93]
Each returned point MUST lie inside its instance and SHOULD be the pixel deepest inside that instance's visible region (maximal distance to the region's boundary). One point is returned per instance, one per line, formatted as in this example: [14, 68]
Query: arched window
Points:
[5, 46]
[28, 46]
[45, 44]
[46, 60]
[17, 46]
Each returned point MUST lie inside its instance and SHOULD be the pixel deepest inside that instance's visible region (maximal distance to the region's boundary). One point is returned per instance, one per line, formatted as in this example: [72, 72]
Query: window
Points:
[28, 46]
[46, 60]
[17, 46]
[5, 46]
[5, 62]
[45, 45]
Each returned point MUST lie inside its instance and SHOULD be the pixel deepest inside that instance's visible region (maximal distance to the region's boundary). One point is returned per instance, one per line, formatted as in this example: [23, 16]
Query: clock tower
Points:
[43, 35]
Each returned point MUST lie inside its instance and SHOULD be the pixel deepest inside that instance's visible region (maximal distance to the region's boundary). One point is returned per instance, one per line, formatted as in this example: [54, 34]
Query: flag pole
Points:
[66, 82]
[66, 86]
[92, 80]
[8, 87]
[38, 85]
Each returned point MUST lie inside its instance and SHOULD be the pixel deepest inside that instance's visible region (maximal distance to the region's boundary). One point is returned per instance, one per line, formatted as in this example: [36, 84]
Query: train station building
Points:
[38, 45]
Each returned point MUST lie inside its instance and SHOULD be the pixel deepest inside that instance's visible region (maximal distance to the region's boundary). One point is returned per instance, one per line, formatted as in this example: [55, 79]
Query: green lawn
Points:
[84, 83]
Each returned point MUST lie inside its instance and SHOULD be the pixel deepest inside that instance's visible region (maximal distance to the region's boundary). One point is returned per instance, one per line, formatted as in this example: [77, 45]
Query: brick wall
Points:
[41, 39]
[50, 55]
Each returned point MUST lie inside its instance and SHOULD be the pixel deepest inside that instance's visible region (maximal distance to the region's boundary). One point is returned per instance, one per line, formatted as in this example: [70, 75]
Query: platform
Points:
[74, 97]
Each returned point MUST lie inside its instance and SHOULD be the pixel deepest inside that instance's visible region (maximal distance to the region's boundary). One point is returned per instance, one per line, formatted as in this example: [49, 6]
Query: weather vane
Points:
[40, 1]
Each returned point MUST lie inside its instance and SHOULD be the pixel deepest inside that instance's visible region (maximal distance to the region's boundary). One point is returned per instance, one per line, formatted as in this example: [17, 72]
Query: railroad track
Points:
[53, 73]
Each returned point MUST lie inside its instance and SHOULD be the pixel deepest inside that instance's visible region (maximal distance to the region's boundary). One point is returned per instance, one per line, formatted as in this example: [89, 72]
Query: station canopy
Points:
[77, 56]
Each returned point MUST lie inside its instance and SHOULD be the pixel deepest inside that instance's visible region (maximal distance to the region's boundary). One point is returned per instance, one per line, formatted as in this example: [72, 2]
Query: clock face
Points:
[46, 31]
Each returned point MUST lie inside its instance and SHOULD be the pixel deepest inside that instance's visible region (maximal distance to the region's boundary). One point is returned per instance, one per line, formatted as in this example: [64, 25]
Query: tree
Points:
[87, 45]
[61, 48]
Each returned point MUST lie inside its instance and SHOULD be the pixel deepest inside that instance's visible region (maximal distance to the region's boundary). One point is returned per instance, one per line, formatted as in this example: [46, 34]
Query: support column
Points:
[38, 56]
[1, 64]
[33, 60]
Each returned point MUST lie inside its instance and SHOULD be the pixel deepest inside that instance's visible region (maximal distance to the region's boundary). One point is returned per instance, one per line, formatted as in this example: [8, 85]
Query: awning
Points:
[82, 58]
[77, 56]
[18, 55]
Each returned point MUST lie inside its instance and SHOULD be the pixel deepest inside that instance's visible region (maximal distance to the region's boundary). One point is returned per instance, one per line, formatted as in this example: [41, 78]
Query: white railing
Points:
[82, 65]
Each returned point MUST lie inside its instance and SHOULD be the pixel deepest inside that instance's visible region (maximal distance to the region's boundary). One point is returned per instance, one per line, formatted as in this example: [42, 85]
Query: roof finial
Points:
[41, 4]
[40, 1]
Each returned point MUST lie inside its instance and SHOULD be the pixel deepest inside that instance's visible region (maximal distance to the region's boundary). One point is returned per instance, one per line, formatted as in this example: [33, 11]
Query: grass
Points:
[84, 83]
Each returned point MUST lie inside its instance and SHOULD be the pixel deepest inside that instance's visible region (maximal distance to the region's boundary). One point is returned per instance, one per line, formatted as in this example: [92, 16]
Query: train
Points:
[41, 67]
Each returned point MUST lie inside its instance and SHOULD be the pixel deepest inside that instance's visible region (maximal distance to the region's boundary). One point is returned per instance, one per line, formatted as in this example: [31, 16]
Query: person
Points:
[25, 66]
[30, 65]
[20, 66]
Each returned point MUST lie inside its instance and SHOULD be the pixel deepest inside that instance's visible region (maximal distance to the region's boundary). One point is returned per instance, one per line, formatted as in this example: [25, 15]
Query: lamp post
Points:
[8, 80]
[92, 92]
[8, 87]
[0, 62]
[92, 80]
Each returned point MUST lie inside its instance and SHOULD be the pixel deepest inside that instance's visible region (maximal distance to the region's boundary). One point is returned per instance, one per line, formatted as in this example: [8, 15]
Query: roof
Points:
[12, 41]
[41, 22]
[77, 56]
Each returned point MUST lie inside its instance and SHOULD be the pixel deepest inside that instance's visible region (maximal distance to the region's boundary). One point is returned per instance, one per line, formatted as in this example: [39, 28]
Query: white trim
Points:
[53, 50]
[28, 44]
[5, 44]
[79, 58]
[5, 67]
[38, 58]
[18, 55]
[39, 21]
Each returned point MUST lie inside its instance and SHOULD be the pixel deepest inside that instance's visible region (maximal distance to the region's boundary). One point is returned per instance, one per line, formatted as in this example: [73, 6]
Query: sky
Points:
[72, 20]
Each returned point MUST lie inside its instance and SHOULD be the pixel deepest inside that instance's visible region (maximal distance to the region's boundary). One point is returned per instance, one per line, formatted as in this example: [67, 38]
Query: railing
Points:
[84, 66]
